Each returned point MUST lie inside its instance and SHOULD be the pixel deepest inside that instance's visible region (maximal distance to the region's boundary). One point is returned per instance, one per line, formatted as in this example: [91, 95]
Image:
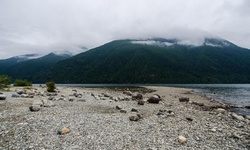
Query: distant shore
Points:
[99, 118]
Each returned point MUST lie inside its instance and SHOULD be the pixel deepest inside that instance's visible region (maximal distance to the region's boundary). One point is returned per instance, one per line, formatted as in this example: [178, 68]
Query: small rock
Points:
[238, 117]
[140, 116]
[123, 111]
[189, 119]
[137, 96]
[50, 98]
[182, 139]
[34, 108]
[134, 118]
[141, 102]
[220, 110]
[235, 135]
[71, 99]
[105, 94]
[199, 104]
[134, 110]
[127, 93]
[62, 131]
[47, 103]
[118, 107]
[25, 96]
[81, 100]
[213, 130]
[183, 99]
[79, 96]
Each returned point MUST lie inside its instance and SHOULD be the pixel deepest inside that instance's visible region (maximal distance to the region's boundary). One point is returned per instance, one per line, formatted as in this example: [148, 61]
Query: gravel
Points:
[97, 124]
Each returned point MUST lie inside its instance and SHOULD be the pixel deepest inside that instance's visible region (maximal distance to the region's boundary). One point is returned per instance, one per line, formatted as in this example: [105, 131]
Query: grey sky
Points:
[42, 26]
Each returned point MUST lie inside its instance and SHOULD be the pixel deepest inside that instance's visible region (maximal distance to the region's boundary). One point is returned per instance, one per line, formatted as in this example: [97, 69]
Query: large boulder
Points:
[155, 99]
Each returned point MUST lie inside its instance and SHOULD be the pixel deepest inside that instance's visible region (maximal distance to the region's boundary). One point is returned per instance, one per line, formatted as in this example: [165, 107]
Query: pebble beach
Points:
[76, 118]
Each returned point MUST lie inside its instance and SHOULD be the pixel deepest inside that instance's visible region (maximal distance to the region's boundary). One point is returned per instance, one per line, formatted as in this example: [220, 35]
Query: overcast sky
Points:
[42, 26]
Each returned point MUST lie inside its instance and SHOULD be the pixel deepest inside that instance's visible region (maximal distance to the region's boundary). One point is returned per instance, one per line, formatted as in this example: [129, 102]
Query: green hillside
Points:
[124, 61]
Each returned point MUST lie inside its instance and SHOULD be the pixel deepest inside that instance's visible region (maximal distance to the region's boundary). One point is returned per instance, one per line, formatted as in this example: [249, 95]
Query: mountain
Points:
[27, 68]
[211, 60]
[6, 63]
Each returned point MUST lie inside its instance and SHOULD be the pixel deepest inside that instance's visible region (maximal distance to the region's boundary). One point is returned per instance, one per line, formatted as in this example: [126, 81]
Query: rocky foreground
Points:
[104, 118]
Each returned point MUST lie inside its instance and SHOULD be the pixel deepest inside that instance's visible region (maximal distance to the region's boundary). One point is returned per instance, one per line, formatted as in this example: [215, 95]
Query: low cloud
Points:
[33, 26]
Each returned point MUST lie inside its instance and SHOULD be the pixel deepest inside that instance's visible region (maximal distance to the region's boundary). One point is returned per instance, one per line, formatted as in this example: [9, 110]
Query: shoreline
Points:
[95, 122]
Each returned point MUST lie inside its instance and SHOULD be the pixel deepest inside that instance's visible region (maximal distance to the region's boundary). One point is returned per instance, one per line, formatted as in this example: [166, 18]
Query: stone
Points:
[196, 103]
[182, 139]
[213, 130]
[127, 93]
[81, 100]
[134, 110]
[71, 99]
[220, 110]
[207, 108]
[247, 107]
[20, 92]
[189, 119]
[15, 95]
[37, 102]
[118, 107]
[137, 96]
[63, 131]
[105, 94]
[235, 135]
[238, 117]
[134, 118]
[141, 102]
[183, 99]
[123, 111]
[154, 99]
[47, 103]
[34, 108]
[24, 95]
[2, 97]
[50, 98]
[140, 116]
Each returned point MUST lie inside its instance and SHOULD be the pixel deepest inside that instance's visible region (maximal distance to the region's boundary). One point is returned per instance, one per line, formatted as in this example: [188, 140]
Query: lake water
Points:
[236, 94]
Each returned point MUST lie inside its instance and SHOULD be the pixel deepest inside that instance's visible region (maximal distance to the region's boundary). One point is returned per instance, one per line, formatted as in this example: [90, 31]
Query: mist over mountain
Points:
[27, 66]
[155, 60]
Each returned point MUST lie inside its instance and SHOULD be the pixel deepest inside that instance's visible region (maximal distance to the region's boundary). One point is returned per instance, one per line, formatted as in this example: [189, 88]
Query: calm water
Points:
[237, 94]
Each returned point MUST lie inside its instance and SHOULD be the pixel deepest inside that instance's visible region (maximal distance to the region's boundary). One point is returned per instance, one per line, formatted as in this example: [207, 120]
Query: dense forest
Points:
[125, 61]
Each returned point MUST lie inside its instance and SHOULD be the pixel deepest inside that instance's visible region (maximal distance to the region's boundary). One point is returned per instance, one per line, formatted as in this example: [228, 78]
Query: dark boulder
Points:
[247, 107]
[2, 97]
[184, 99]
[154, 99]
